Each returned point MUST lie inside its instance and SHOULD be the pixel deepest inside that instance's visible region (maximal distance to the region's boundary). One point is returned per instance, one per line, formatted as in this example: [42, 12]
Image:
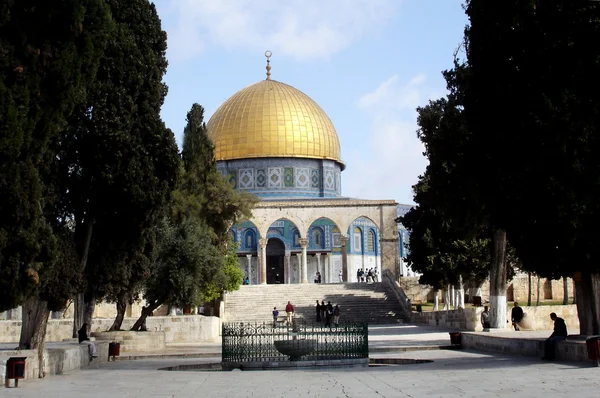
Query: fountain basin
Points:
[295, 349]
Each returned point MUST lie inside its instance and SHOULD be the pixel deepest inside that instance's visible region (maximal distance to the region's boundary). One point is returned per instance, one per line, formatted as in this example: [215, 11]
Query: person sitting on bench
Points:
[83, 338]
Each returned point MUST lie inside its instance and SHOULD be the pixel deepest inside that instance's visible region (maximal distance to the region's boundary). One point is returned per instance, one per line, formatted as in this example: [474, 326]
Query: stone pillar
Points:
[288, 267]
[328, 270]
[299, 257]
[249, 267]
[263, 260]
[344, 240]
[318, 256]
[303, 244]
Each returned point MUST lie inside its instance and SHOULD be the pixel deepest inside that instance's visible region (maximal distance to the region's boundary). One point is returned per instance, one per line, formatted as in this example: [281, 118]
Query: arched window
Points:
[371, 241]
[249, 240]
[296, 238]
[317, 238]
[233, 237]
[357, 241]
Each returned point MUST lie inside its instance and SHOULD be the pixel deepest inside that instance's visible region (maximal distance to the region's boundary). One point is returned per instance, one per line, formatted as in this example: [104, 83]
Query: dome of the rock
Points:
[270, 119]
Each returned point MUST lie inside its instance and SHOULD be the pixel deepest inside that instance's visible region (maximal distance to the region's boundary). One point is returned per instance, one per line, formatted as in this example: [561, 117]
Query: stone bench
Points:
[131, 341]
[61, 358]
[571, 349]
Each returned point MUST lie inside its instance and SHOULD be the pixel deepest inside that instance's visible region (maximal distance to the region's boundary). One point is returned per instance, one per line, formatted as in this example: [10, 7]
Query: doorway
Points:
[275, 255]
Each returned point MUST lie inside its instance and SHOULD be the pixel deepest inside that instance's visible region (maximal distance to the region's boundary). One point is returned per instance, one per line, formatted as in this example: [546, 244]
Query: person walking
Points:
[275, 316]
[559, 334]
[517, 315]
[341, 276]
[289, 311]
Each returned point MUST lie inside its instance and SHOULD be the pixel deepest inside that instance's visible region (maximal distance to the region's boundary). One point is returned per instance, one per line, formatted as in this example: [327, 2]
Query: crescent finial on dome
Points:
[268, 55]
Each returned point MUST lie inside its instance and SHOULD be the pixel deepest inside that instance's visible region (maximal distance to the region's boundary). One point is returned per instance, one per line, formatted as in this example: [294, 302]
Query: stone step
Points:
[369, 302]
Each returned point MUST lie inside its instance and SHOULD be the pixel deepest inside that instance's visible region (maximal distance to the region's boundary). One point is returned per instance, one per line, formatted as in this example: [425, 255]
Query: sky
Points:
[368, 63]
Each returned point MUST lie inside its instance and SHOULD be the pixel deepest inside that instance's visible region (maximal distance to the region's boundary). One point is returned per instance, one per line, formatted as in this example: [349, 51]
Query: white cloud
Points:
[392, 157]
[302, 29]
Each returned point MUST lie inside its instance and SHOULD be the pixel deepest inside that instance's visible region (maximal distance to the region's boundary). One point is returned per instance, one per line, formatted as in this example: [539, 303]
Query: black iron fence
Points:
[259, 342]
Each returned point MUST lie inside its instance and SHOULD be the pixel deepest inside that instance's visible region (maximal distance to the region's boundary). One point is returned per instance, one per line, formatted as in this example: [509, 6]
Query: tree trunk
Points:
[33, 329]
[498, 280]
[145, 312]
[460, 293]
[452, 296]
[587, 289]
[565, 291]
[78, 303]
[436, 300]
[121, 307]
[447, 298]
[537, 299]
[529, 289]
[88, 311]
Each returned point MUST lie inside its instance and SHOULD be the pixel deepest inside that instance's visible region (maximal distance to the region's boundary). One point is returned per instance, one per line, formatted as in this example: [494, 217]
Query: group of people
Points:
[517, 314]
[328, 313]
[371, 275]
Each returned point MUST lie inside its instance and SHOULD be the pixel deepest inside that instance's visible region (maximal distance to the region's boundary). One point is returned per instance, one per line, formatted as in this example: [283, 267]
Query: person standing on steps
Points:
[289, 311]
[517, 315]
[318, 311]
[336, 315]
[275, 316]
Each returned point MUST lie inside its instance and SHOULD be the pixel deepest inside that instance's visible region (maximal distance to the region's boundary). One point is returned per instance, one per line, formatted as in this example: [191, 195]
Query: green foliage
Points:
[204, 192]
[228, 278]
[185, 261]
[49, 53]
[118, 162]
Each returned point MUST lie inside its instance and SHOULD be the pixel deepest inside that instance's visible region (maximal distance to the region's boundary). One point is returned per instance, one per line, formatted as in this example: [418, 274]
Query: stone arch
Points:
[359, 256]
[266, 220]
[325, 226]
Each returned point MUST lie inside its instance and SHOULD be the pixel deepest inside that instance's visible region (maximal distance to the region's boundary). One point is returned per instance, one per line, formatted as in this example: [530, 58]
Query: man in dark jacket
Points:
[517, 315]
[559, 334]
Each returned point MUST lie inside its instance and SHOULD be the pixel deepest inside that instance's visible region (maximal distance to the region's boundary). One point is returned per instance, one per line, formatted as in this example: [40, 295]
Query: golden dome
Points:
[272, 119]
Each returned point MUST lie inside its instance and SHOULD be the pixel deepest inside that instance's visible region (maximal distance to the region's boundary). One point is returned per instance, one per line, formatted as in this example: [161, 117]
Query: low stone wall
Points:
[177, 329]
[461, 319]
[134, 341]
[536, 318]
[568, 350]
[60, 358]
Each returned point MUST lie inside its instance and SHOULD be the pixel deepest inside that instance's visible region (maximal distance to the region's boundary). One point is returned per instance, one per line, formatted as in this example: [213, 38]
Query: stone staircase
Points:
[371, 302]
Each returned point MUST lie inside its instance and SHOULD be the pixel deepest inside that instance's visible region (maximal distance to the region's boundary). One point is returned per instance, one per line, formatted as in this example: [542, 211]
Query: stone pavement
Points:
[452, 373]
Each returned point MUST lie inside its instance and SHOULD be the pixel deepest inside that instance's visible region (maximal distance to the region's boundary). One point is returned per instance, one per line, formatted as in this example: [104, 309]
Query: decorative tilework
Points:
[302, 178]
[275, 177]
[329, 180]
[261, 178]
[288, 177]
[232, 178]
[246, 178]
[338, 182]
[314, 178]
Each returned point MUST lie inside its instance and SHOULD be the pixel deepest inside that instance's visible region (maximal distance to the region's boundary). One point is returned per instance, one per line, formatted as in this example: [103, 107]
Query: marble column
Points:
[330, 278]
[304, 244]
[288, 267]
[263, 260]
[318, 256]
[299, 257]
[249, 267]
[344, 240]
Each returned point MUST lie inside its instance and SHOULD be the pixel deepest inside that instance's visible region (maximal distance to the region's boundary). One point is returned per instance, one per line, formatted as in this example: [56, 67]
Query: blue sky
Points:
[367, 63]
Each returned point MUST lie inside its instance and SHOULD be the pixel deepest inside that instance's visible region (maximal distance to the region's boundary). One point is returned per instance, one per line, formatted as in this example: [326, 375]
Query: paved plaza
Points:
[453, 373]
